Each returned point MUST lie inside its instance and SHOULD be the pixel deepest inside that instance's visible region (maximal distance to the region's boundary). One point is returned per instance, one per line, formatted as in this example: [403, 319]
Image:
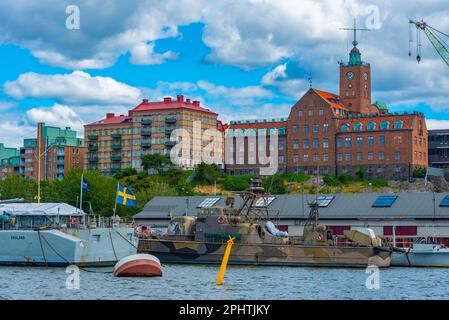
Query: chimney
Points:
[180, 98]
[187, 101]
[167, 99]
[109, 115]
[145, 101]
[196, 103]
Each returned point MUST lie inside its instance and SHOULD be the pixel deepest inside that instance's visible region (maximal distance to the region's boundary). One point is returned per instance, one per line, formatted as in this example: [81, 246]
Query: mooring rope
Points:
[112, 244]
[68, 262]
[42, 248]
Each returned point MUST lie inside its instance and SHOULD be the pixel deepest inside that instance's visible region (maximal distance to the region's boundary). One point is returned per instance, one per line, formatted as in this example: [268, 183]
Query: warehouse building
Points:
[406, 215]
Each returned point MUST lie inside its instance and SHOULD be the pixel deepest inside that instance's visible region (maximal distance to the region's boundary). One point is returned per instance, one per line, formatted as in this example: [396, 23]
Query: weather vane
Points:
[355, 29]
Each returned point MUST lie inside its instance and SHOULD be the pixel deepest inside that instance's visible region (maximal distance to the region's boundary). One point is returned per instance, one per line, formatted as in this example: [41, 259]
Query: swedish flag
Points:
[125, 196]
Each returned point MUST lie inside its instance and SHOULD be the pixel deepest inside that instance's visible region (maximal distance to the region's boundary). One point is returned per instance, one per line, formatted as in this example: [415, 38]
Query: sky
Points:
[244, 59]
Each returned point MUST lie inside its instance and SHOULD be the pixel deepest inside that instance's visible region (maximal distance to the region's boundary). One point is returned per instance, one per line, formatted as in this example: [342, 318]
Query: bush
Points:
[295, 177]
[344, 178]
[379, 183]
[237, 183]
[330, 181]
[360, 173]
[275, 185]
[419, 172]
[206, 173]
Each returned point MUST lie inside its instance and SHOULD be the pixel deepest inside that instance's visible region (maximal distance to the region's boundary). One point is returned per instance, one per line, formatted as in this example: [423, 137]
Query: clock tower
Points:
[355, 82]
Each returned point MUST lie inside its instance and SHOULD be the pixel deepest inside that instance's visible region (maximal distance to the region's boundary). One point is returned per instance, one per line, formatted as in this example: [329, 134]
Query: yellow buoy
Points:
[224, 263]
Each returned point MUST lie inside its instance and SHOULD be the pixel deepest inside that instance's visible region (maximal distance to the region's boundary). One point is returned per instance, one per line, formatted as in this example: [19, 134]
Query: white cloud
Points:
[57, 115]
[278, 78]
[143, 53]
[13, 132]
[74, 88]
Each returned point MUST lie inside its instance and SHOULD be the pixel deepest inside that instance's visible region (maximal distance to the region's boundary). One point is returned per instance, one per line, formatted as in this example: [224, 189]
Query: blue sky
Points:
[243, 59]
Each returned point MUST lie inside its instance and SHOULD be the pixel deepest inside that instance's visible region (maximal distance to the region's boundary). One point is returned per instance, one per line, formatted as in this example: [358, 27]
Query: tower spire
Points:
[355, 56]
[355, 29]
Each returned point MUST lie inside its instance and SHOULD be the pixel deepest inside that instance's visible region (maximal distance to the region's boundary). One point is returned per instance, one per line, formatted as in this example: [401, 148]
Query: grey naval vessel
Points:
[57, 234]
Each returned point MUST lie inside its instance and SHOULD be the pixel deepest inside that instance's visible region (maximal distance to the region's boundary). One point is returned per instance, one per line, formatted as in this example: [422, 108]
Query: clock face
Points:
[350, 75]
[350, 85]
[365, 76]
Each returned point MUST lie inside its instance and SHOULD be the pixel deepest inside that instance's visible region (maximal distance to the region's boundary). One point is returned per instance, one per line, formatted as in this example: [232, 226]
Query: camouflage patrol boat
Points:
[202, 239]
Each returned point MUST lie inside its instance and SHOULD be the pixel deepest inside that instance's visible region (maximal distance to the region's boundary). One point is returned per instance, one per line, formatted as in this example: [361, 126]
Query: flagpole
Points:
[115, 205]
[81, 193]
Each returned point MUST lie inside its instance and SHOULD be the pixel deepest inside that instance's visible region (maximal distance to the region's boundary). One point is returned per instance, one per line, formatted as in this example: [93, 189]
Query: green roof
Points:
[380, 105]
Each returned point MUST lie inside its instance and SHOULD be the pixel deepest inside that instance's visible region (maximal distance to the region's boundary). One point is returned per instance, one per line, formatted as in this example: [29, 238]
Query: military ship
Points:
[202, 239]
[54, 234]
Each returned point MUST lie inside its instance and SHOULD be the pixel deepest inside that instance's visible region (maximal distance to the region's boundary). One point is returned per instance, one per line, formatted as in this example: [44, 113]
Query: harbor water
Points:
[198, 282]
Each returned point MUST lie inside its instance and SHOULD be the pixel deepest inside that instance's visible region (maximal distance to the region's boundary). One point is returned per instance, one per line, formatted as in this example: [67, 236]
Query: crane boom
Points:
[440, 46]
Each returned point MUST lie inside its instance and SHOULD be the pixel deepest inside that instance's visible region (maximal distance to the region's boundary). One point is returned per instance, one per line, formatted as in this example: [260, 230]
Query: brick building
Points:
[249, 142]
[345, 133]
[119, 142]
[59, 150]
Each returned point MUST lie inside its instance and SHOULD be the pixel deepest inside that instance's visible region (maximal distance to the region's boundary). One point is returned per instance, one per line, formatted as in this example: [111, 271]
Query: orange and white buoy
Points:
[138, 265]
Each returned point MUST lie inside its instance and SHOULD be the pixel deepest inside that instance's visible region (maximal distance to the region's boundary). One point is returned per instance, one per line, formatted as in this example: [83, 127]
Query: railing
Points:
[145, 133]
[116, 135]
[170, 121]
[146, 122]
[92, 137]
[92, 148]
[116, 146]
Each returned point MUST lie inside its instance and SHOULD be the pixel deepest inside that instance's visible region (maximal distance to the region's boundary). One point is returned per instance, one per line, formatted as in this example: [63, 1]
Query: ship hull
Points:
[421, 259]
[55, 248]
[192, 252]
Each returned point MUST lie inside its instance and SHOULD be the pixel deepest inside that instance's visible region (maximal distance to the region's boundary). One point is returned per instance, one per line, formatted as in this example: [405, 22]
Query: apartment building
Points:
[59, 151]
[248, 144]
[119, 142]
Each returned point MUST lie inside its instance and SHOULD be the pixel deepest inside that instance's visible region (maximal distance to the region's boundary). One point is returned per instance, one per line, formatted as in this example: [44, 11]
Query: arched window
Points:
[272, 131]
[358, 126]
[242, 132]
[371, 126]
[344, 127]
[384, 125]
[398, 124]
[252, 132]
[282, 130]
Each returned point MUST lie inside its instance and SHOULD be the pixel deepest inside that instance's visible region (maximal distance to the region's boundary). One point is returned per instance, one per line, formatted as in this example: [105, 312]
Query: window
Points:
[295, 144]
[316, 143]
[381, 140]
[381, 155]
[310, 113]
[325, 157]
[397, 155]
[282, 131]
[348, 157]
[371, 126]
[370, 156]
[281, 145]
[324, 201]
[306, 128]
[315, 158]
[300, 113]
[384, 201]
[306, 158]
[264, 201]
[348, 142]
[207, 203]
[384, 125]
[295, 159]
[359, 142]
[339, 142]
[295, 129]
[315, 128]
[306, 144]
[445, 202]
[326, 127]
[344, 127]
[370, 141]
[339, 157]
[358, 127]
[325, 143]
[359, 156]
[321, 112]
[281, 159]
[398, 124]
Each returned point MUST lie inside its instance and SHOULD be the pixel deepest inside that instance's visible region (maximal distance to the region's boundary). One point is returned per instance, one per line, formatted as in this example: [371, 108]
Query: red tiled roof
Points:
[110, 119]
[331, 99]
[167, 104]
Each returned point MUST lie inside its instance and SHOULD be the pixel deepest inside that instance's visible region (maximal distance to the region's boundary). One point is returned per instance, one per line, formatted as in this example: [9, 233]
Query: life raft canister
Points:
[72, 222]
[221, 219]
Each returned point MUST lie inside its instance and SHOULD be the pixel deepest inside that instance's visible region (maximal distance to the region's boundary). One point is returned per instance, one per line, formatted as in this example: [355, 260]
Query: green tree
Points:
[155, 161]
[360, 173]
[237, 182]
[419, 172]
[17, 187]
[206, 173]
[275, 185]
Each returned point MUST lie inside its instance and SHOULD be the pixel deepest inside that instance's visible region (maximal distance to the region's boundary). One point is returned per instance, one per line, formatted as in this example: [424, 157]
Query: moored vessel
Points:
[202, 239]
[138, 265]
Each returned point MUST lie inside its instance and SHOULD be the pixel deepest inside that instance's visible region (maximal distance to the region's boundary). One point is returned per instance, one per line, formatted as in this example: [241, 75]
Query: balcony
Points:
[116, 136]
[116, 146]
[146, 122]
[92, 147]
[145, 144]
[145, 133]
[93, 137]
[169, 144]
[92, 158]
[168, 132]
[170, 121]
[116, 157]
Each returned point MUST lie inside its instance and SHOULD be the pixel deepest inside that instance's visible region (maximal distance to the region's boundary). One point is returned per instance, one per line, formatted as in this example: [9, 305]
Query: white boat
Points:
[55, 234]
[422, 255]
